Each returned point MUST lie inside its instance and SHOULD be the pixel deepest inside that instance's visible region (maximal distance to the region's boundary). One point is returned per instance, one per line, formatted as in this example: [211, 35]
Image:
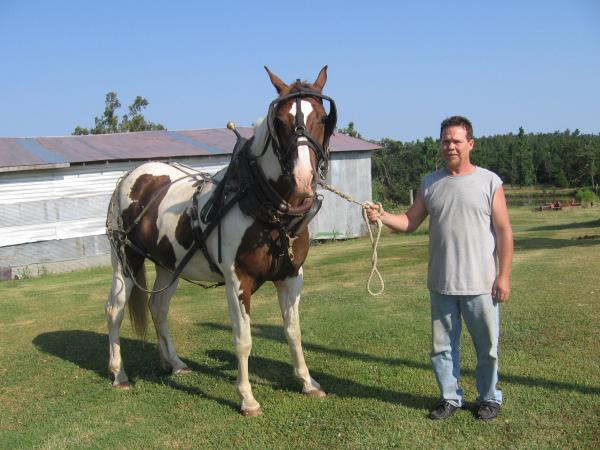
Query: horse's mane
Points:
[296, 86]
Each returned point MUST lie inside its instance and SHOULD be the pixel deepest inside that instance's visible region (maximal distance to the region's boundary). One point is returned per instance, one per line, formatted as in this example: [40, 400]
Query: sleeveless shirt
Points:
[462, 242]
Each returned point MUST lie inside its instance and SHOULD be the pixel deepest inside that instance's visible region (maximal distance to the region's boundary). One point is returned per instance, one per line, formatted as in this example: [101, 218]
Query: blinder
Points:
[321, 149]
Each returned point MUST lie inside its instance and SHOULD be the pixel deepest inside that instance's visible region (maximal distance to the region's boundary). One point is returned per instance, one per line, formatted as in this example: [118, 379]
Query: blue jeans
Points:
[481, 315]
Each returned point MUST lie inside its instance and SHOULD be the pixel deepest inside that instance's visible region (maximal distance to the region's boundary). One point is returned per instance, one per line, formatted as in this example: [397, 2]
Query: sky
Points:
[395, 68]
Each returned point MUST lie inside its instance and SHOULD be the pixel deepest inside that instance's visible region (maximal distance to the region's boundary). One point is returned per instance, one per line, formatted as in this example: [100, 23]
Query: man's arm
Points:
[405, 222]
[504, 245]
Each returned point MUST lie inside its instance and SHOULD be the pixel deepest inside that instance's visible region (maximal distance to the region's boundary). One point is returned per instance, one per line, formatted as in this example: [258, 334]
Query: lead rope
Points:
[373, 236]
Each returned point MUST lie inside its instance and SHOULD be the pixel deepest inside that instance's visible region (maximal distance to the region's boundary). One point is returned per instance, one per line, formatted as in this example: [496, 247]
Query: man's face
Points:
[456, 148]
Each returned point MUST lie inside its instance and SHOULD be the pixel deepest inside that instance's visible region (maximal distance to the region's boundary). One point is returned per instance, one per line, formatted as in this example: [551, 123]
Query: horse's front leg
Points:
[288, 293]
[238, 301]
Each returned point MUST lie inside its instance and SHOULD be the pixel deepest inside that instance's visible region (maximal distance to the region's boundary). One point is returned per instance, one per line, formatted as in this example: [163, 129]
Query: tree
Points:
[525, 171]
[109, 121]
[350, 131]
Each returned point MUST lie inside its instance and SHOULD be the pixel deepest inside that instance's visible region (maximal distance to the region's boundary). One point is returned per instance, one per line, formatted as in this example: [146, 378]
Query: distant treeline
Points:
[560, 159]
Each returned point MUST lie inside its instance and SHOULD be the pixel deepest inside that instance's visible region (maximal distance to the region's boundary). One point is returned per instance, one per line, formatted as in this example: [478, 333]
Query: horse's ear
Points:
[279, 85]
[321, 79]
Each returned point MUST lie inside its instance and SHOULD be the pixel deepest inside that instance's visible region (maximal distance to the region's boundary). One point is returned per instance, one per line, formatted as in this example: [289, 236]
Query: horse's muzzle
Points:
[302, 208]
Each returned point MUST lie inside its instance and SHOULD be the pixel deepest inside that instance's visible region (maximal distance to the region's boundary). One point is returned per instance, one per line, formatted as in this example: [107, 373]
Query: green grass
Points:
[369, 354]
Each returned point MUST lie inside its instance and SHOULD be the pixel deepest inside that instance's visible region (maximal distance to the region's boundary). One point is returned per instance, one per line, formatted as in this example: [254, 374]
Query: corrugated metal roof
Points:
[52, 151]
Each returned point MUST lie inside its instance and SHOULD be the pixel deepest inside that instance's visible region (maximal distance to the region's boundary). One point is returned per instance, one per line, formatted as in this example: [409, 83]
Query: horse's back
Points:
[155, 200]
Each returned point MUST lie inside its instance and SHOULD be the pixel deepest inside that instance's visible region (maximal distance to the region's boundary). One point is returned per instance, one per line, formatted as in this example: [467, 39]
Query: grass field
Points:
[369, 354]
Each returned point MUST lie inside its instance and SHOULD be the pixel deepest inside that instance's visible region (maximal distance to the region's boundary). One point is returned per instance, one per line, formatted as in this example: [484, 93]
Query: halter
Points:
[321, 149]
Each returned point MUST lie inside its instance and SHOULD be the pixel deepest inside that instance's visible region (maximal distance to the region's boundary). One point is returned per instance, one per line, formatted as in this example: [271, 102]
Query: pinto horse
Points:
[249, 221]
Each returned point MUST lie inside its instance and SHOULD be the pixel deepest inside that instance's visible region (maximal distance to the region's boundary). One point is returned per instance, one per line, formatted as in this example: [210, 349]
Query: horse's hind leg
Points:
[115, 308]
[159, 307]
[288, 293]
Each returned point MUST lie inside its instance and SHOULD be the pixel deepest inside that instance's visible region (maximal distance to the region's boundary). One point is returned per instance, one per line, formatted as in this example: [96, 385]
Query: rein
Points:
[374, 235]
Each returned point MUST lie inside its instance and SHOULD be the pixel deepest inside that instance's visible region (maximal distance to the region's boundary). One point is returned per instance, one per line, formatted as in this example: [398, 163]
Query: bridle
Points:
[321, 149]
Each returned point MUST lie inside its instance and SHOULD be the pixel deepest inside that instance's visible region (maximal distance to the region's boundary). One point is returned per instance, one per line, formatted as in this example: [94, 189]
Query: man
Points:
[469, 227]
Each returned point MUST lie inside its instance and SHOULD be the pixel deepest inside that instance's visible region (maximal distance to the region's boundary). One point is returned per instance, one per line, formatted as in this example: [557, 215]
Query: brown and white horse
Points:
[257, 234]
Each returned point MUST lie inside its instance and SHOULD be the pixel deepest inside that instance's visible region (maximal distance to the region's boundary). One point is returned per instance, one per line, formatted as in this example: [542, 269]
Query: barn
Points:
[54, 191]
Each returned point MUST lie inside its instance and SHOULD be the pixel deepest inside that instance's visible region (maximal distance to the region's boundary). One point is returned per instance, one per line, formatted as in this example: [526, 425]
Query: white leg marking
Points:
[242, 340]
[115, 306]
[288, 293]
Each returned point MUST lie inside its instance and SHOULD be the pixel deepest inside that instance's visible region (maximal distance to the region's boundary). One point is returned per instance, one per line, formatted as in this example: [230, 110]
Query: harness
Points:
[321, 149]
[243, 183]
[119, 237]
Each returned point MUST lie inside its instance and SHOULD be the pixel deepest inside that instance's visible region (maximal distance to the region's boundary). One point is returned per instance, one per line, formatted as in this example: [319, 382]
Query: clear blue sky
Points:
[396, 69]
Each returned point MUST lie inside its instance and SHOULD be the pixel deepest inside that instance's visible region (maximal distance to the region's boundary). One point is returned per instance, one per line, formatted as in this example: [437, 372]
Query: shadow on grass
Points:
[536, 243]
[280, 377]
[89, 350]
[273, 332]
[567, 226]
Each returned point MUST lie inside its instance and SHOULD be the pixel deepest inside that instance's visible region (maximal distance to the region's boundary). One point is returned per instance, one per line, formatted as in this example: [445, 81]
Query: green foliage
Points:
[350, 131]
[398, 168]
[586, 196]
[525, 175]
[109, 121]
[560, 179]
[561, 159]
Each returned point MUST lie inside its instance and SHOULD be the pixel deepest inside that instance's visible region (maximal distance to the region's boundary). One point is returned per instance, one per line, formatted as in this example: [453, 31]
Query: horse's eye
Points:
[324, 119]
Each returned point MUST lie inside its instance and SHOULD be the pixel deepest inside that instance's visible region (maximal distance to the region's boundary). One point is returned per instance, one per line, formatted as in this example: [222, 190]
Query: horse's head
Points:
[298, 129]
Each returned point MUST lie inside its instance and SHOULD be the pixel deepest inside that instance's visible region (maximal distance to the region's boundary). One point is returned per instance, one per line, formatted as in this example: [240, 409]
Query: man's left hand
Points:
[501, 289]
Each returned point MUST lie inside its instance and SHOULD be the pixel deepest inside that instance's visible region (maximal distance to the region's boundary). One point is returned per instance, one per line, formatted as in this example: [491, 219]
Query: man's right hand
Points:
[374, 212]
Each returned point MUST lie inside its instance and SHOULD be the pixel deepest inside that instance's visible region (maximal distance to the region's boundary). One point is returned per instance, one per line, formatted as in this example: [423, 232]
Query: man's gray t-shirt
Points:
[462, 242]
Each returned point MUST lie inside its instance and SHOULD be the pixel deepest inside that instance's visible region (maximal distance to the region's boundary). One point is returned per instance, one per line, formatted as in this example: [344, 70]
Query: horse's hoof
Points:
[252, 412]
[315, 393]
[124, 386]
[182, 371]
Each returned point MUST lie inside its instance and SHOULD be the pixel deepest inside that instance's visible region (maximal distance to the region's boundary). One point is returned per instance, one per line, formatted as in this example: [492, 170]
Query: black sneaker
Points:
[488, 410]
[442, 410]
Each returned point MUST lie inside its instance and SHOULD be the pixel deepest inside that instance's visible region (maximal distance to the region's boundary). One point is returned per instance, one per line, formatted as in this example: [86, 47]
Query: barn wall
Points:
[349, 173]
[54, 220]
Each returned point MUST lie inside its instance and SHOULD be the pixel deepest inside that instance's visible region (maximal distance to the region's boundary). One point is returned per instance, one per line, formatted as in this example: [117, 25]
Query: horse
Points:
[249, 222]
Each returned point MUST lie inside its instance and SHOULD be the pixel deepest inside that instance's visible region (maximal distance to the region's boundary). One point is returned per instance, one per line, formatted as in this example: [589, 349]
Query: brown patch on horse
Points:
[145, 234]
[166, 253]
[259, 258]
[183, 231]
[248, 285]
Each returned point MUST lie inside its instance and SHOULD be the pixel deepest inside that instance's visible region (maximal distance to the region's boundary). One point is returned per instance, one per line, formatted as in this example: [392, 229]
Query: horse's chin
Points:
[301, 208]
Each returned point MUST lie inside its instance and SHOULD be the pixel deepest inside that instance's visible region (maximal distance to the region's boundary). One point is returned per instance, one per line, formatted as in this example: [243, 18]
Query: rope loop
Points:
[374, 235]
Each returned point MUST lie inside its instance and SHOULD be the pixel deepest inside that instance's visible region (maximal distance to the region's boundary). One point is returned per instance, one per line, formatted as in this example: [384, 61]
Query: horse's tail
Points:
[138, 303]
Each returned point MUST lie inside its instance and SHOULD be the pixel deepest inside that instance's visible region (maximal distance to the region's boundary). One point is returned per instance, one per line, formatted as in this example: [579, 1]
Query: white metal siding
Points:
[66, 203]
[58, 215]
[349, 173]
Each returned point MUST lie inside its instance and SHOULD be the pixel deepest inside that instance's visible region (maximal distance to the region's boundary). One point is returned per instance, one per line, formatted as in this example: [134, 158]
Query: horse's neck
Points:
[268, 161]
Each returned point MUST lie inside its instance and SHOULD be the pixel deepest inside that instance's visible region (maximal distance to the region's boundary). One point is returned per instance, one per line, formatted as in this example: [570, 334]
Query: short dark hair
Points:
[459, 121]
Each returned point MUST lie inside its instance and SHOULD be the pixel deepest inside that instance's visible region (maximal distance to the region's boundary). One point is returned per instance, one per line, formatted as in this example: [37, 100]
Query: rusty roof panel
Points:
[17, 155]
[107, 147]
[344, 143]
[16, 152]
